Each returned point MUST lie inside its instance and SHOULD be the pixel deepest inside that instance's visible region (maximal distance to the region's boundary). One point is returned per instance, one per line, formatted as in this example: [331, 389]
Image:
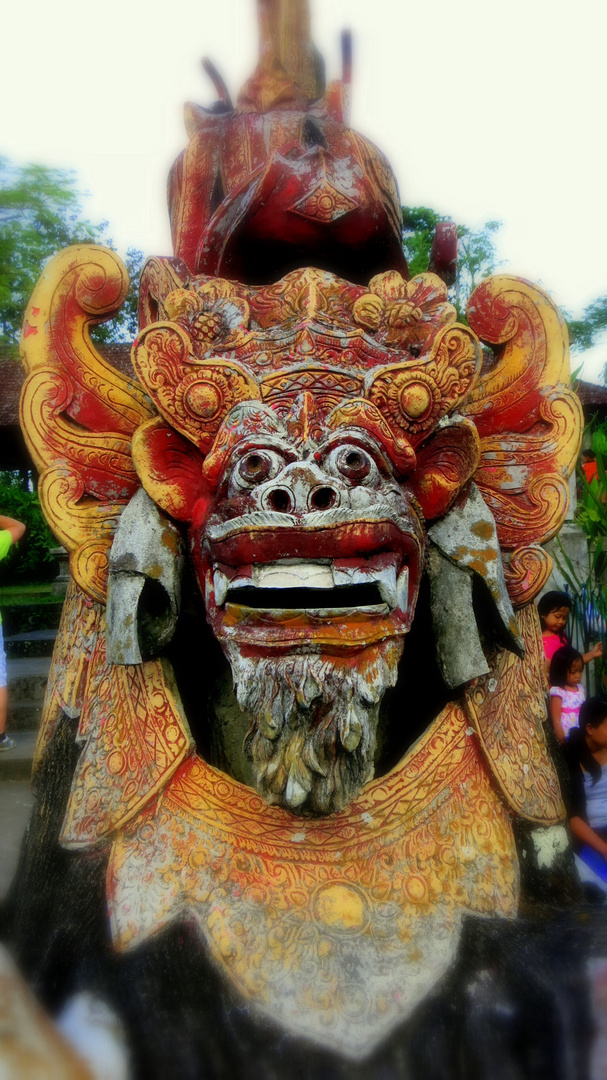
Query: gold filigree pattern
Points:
[135, 737]
[414, 397]
[76, 639]
[306, 335]
[309, 311]
[277, 898]
[527, 573]
[508, 709]
[193, 396]
[329, 387]
[78, 413]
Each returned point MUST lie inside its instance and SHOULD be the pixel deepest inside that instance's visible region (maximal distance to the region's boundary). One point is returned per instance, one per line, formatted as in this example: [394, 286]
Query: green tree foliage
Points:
[124, 327]
[40, 213]
[586, 332]
[589, 608]
[419, 223]
[477, 259]
[29, 560]
[477, 253]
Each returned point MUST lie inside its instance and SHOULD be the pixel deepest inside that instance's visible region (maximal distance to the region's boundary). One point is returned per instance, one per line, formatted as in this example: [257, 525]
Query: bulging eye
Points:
[256, 466]
[353, 463]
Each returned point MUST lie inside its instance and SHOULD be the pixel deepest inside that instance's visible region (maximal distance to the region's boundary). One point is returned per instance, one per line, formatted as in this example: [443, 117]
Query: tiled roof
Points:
[12, 375]
[591, 395]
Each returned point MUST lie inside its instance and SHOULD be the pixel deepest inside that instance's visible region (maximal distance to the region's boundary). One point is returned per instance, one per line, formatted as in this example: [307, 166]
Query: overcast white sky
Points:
[485, 110]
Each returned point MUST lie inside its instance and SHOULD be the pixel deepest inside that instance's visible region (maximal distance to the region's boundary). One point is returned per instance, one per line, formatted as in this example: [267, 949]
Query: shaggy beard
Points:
[313, 723]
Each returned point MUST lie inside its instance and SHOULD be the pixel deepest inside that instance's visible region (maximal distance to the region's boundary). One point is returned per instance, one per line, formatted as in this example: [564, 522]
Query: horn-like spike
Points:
[218, 82]
[346, 56]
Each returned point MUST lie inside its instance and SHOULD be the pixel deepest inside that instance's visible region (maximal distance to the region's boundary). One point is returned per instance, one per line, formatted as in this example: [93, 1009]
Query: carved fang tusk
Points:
[220, 584]
[402, 590]
[380, 571]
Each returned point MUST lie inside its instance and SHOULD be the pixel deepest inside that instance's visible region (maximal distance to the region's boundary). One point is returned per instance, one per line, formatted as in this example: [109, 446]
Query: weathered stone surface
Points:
[144, 589]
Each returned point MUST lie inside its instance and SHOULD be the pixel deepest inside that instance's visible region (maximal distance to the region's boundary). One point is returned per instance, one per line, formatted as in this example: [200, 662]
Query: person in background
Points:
[553, 609]
[589, 466]
[10, 532]
[586, 755]
[566, 692]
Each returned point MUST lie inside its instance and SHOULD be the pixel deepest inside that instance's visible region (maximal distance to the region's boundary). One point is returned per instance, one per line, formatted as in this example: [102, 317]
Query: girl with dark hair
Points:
[553, 609]
[566, 692]
[586, 755]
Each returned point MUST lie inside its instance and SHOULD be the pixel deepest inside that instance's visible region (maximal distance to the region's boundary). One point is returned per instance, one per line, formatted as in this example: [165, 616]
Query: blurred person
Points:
[10, 532]
[554, 609]
[566, 692]
[589, 466]
[586, 755]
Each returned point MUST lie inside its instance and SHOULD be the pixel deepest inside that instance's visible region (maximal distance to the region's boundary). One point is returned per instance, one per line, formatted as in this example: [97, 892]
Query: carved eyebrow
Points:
[357, 437]
[260, 441]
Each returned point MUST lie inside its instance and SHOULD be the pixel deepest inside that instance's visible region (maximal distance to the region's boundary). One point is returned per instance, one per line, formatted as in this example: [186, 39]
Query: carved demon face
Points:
[309, 561]
[311, 543]
[306, 486]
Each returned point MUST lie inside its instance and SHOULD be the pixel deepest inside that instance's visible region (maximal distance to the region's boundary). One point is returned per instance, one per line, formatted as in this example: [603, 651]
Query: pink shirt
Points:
[552, 642]
[570, 707]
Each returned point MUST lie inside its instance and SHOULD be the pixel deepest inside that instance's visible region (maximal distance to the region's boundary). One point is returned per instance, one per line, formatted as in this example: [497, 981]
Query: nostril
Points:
[323, 498]
[280, 500]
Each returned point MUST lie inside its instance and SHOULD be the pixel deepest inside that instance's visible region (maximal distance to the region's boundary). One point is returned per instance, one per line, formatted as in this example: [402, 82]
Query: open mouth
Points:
[323, 587]
[344, 585]
[313, 590]
[343, 597]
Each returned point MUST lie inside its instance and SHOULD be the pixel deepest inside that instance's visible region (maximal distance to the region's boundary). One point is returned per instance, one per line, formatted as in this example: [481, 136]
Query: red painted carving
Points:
[281, 182]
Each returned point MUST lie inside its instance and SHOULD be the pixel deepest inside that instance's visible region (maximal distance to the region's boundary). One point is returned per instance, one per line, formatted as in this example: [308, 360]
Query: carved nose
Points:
[323, 498]
[301, 488]
[280, 500]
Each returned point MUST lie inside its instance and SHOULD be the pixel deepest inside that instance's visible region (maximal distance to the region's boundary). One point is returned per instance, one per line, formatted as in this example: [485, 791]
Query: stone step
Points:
[23, 715]
[36, 643]
[16, 802]
[26, 688]
[16, 764]
[27, 678]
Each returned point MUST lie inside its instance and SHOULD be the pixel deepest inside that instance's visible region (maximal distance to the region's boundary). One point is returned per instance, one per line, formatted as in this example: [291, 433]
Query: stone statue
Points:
[296, 703]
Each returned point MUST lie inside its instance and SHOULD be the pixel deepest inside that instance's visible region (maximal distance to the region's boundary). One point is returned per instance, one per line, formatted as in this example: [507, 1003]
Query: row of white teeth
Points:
[381, 571]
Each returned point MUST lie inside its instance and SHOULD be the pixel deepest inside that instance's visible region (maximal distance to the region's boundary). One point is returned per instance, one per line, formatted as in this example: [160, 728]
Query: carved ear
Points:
[170, 469]
[445, 463]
